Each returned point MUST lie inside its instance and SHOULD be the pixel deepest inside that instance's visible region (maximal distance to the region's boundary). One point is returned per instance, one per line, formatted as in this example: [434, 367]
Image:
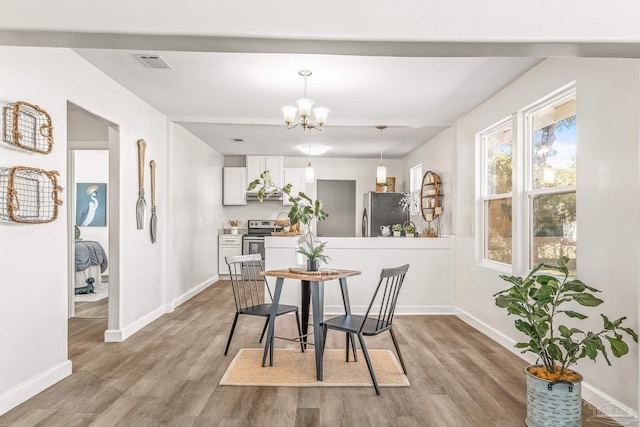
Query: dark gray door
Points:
[339, 201]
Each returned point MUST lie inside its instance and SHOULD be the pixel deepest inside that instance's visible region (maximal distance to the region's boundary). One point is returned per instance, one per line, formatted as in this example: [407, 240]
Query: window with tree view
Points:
[551, 183]
[496, 194]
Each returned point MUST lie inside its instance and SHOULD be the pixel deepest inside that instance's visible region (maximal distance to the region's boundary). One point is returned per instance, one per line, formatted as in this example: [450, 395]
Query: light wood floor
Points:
[92, 310]
[168, 374]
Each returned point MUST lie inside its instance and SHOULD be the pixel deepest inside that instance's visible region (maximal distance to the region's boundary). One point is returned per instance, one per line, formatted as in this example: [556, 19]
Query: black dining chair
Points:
[249, 293]
[377, 319]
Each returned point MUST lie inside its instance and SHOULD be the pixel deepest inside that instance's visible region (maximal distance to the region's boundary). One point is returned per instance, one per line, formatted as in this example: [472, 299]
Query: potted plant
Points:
[397, 230]
[304, 210]
[409, 230]
[234, 223]
[314, 255]
[539, 302]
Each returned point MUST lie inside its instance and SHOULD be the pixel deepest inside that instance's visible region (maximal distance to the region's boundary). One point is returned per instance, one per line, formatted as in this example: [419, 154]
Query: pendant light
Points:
[309, 173]
[381, 172]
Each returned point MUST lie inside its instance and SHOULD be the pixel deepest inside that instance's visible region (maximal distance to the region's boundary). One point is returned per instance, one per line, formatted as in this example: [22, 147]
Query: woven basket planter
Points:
[553, 403]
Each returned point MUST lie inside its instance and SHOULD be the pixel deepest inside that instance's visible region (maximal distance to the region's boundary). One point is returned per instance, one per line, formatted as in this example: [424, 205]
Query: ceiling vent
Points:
[152, 61]
[238, 140]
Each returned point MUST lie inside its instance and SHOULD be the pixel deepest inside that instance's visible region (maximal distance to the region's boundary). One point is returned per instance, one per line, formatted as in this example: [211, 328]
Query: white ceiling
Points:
[415, 67]
[222, 96]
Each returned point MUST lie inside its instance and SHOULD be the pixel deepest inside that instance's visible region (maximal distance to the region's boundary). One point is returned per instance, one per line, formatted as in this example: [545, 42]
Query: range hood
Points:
[252, 197]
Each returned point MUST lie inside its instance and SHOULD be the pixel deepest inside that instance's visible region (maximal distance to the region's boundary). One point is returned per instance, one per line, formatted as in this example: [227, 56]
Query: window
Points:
[551, 180]
[415, 184]
[527, 186]
[497, 164]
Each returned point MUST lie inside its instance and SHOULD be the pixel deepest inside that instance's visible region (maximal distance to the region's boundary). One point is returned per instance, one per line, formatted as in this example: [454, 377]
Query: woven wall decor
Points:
[29, 195]
[28, 127]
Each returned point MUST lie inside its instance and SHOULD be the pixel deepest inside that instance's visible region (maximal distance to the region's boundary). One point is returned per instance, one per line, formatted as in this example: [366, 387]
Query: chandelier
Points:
[304, 110]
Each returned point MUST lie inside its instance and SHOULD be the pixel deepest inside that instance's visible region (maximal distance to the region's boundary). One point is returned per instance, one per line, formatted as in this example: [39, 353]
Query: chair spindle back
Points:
[248, 286]
[385, 297]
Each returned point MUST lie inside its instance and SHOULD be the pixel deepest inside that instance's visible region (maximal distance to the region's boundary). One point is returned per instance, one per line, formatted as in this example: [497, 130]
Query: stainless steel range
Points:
[253, 241]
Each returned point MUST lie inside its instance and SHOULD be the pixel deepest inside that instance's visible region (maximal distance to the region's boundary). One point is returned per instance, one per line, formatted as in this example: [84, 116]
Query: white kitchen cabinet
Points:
[258, 164]
[234, 182]
[228, 245]
[295, 177]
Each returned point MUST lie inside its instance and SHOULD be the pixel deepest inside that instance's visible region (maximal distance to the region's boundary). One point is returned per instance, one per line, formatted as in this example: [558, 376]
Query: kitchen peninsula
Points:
[428, 286]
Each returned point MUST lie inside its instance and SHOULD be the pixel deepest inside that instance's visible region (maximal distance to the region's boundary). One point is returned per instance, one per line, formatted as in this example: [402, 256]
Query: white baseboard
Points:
[596, 398]
[113, 335]
[15, 396]
[191, 293]
[612, 408]
[119, 335]
[494, 334]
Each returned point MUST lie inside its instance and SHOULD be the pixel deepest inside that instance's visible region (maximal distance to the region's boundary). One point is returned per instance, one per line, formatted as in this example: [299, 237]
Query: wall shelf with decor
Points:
[389, 186]
[431, 201]
[29, 195]
[27, 127]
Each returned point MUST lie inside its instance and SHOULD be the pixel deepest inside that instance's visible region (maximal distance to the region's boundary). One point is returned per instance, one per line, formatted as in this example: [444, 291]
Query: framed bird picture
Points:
[91, 204]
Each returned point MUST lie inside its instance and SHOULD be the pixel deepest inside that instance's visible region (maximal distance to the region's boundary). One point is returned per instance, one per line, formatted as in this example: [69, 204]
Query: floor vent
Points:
[152, 61]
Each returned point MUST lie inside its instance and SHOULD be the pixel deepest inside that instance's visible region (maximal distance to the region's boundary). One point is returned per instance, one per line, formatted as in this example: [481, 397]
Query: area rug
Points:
[293, 368]
[100, 292]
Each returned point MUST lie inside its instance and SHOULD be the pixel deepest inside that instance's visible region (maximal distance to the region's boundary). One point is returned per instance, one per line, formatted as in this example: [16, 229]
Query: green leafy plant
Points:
[304, 209]
[314, 252]
[539, 299]
[410, 229]
[396, 227]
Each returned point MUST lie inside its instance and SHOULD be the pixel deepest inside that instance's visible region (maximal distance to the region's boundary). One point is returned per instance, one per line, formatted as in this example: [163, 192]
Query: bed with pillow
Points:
[91, 261]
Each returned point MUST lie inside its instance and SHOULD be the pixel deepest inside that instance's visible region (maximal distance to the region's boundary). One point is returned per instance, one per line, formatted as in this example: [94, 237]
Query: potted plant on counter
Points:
[314, 255]
[304, 210]
[397, 230]
[233, 224]
[409, 230]
[539, 301]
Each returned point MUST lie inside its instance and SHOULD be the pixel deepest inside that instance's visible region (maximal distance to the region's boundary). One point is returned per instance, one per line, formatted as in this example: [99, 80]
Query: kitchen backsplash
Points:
[254, 210]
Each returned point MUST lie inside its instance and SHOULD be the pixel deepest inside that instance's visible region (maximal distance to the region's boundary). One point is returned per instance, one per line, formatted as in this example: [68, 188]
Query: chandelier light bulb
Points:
[321, 114]
[289, 113]
[304, 106]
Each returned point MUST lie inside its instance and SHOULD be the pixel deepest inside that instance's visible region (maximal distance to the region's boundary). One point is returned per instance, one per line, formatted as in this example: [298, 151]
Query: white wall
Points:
[437, 155]
[33, 288]
[33, 258]
[92, 166]
[195, 197]
[608, 103]
[363, 171]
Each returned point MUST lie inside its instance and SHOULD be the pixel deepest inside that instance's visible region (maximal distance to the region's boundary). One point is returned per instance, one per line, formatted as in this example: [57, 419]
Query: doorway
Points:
[339, 199]
[91, 231]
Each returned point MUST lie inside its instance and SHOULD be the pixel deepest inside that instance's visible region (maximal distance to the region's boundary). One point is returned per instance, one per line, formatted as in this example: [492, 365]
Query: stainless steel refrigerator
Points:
[381, 209]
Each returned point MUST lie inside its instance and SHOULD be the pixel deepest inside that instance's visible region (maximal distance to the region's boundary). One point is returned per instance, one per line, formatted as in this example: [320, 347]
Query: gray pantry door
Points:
[339, 201]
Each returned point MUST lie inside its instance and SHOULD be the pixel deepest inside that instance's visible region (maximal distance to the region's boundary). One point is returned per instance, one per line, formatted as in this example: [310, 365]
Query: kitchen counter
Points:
[368, 242]
[428, 286]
